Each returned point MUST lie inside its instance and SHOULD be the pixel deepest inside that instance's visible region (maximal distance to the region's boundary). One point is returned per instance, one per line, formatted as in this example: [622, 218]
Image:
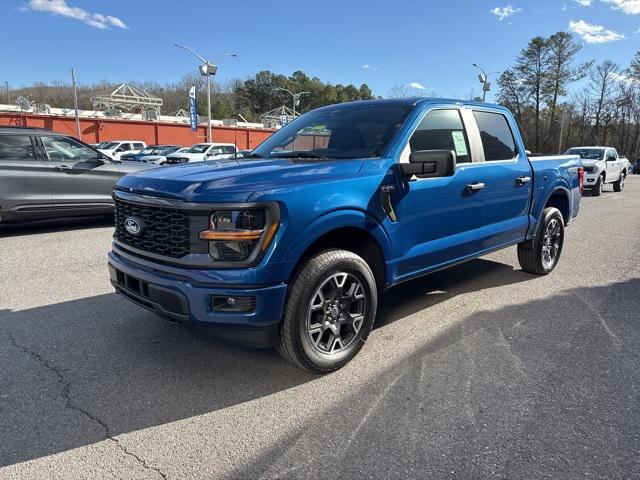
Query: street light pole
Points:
[8, 97]
[296, 98]
[209, 69]
[484, 80]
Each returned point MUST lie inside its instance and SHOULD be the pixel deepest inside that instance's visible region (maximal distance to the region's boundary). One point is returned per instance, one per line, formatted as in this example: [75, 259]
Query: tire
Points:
[541, 254]
[315, 313]
[619, 185]
[596, 190]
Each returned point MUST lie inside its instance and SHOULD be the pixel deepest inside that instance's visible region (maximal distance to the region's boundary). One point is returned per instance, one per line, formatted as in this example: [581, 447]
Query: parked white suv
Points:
[203, 151]
[601, 165]
[117, 148]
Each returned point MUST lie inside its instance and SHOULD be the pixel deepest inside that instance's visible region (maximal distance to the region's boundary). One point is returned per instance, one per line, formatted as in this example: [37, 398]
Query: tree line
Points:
[605, 110]
[249, 98]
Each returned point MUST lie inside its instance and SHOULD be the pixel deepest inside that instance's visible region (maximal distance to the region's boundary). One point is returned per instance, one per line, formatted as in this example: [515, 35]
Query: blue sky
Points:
[430, 44]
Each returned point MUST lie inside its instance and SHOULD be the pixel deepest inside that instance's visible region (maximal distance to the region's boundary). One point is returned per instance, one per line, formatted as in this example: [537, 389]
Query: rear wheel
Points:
[329, 312]
[619, 185]
[541, 254]
[596, 190]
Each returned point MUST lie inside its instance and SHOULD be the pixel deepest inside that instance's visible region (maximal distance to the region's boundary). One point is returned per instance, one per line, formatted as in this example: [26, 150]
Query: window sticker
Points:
[459, 143]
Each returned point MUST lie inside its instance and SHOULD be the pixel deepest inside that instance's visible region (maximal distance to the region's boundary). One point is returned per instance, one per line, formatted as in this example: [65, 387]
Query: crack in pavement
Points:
[66, 386]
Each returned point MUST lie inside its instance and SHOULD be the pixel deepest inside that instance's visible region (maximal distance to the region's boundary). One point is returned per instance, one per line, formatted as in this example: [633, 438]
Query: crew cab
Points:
[118, 148]
[291, 245]
[602, 165]
[201, 152]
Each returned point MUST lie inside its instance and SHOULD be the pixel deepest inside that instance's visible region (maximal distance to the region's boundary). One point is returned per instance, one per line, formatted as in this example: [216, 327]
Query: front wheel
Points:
[329, 311]
[619, 185]
[596, 190]
[540, 255]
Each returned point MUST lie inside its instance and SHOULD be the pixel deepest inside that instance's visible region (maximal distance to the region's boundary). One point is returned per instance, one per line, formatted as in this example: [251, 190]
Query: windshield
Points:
[108, 145]
[150, 150]
[199, 148]
[359, 130]
[587, 153]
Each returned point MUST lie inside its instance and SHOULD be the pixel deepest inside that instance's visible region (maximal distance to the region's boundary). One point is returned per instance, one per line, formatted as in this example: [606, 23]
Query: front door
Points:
[440, 219]
[79, 178]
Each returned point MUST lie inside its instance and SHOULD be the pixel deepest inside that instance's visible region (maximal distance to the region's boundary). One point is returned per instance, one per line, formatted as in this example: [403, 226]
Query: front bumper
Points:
[179, 298]
[590, 179]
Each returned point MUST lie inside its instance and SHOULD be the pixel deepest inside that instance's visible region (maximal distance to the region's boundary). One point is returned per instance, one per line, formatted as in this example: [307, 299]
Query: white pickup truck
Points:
[601, 165]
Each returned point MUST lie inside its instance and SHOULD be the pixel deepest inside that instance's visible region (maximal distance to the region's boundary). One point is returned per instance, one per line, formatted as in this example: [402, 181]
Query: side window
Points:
[496, 136]
[66, 149]
[229, 149]
[138, 146]
[442, 130]
[125, 147]
[16, 147]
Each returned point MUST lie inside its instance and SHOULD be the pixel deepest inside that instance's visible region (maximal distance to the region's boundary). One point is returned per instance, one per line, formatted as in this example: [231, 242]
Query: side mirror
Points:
[430, 164]
[611, 159]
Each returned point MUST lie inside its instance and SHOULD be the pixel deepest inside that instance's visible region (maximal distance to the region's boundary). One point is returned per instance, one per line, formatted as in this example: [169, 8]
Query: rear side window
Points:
[442, 130]
[228, 149]
[138, 146]
[496, 136]
[16, 147]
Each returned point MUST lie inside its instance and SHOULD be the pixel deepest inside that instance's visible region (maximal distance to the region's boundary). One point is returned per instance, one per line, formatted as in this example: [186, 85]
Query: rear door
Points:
[24, 178]
[507, 175]
[613, 167]
[80, 180]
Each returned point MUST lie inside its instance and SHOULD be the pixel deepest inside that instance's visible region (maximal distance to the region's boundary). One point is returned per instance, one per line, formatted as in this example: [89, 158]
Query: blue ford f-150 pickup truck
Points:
[291, 245]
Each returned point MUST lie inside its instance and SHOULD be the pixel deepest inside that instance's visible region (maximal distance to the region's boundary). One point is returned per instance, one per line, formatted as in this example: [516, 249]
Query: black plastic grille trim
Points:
[166, 231]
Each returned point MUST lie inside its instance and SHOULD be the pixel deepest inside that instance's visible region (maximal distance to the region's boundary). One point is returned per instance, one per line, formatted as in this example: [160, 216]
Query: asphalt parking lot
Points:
[477, 371]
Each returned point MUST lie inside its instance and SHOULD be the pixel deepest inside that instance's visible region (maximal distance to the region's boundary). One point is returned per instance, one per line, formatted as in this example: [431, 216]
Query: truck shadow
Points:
[55, 225]
[500, 393]
[77, 371]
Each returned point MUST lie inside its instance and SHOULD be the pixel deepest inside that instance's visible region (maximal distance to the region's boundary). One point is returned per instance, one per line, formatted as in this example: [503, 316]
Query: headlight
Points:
[241, 235]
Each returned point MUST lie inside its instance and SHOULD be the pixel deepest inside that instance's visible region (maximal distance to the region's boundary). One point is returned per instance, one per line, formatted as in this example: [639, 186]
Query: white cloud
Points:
[630, 7]
[636, 31]
[60, 7]
[592, 33]
[504, 12]
[417, 86]
[584, 3]
[627, 80]
[366, 67]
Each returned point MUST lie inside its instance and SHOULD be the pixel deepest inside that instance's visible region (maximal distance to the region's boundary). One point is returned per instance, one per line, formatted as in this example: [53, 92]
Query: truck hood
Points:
[234, 180]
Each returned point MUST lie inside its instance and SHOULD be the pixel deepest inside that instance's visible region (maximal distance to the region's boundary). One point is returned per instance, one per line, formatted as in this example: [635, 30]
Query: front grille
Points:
[165, 231]
[176, 160]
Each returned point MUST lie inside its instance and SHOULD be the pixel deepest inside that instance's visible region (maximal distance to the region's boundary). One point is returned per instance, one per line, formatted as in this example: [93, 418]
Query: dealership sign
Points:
[193, 115]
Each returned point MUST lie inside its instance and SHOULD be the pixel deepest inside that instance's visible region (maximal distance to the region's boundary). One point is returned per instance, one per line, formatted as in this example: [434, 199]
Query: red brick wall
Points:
[99, 130]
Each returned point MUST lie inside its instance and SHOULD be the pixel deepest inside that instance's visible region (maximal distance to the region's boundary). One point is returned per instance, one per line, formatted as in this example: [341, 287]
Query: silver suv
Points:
[49, 175]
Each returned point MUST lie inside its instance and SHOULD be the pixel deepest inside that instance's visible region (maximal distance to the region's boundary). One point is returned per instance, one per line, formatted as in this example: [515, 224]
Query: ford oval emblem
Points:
[133, 225]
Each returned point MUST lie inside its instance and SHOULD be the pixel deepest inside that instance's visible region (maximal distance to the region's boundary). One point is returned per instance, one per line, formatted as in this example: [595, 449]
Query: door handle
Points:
[522, 180]
[62, 168]
[474, 187]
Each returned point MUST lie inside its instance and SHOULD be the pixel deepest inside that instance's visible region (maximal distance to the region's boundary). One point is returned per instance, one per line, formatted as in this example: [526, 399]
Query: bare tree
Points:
[603, 84]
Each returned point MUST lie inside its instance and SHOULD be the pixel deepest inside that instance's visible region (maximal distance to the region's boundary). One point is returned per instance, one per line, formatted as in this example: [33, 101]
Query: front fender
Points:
[332, 221]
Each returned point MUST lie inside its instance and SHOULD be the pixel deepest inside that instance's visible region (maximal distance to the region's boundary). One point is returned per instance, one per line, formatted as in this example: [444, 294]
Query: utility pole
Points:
[8, 97]
[75, 102]
[564, 113]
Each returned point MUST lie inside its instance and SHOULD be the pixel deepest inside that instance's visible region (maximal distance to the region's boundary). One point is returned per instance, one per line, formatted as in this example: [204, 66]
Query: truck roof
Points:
[413, 101]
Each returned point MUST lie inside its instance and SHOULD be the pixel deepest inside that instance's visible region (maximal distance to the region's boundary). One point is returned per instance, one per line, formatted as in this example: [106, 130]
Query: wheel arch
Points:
[349, 230]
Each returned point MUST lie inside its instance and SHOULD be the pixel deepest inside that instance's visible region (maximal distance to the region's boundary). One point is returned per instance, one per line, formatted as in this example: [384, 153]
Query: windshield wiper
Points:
[300, 155]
